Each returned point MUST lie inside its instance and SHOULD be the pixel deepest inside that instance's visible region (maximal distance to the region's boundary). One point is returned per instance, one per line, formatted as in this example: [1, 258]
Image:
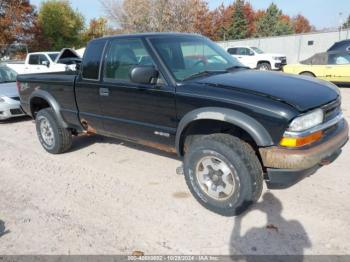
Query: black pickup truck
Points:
[232, 126]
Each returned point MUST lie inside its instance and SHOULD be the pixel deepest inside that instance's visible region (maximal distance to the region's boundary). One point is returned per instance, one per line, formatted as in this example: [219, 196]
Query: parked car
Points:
[255, 58]
[9, 98]
[333, 65]
[43, 62]
[232, 126]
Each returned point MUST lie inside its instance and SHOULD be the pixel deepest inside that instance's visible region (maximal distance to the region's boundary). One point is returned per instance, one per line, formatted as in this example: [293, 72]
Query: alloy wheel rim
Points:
[216, 178]
[47, 132]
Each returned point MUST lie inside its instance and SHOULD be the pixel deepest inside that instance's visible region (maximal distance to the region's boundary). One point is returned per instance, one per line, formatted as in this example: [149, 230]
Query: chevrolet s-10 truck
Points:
[233, 127]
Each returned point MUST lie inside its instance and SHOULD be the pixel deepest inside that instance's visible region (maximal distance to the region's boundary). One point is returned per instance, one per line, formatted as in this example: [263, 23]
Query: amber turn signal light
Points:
[301, 141]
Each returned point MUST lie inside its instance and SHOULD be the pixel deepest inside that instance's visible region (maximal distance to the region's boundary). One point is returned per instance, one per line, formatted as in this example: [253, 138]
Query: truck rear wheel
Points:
[223, 173]
[52, 136]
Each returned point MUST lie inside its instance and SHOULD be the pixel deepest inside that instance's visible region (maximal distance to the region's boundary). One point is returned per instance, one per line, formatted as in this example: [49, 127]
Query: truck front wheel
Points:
[52, 136]
[264, 66]
[223, 173]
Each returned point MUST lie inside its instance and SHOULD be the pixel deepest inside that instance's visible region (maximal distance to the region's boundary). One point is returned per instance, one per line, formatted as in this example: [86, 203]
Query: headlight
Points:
[277, 58]
[307, 121]
[2, 99]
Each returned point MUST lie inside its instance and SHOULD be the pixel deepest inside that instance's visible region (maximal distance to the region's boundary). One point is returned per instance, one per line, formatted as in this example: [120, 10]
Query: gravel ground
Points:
[110, 197]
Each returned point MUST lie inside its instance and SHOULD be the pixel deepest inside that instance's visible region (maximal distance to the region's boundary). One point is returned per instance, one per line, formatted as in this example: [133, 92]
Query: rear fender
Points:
[52, 102]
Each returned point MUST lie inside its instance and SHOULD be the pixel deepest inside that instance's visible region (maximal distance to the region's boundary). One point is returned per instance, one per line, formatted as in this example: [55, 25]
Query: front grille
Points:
[331, 110]
[16, 111]
[283, 60]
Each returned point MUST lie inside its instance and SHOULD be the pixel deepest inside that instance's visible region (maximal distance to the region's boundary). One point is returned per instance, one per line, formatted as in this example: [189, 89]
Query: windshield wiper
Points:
[205, 73]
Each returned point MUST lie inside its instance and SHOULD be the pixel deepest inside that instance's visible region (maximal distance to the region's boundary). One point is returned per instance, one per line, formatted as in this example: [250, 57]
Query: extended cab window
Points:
[122, 56]
[92, 60]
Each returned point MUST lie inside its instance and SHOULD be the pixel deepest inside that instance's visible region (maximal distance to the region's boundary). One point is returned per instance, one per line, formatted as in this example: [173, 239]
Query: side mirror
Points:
[144, 75]
[45, 63]
[251, 53]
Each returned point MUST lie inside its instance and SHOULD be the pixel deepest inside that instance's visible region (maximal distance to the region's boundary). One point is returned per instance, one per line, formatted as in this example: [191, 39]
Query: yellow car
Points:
[333, 66]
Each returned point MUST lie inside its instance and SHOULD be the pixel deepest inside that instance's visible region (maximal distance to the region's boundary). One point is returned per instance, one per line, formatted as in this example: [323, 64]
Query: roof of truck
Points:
[147, 35]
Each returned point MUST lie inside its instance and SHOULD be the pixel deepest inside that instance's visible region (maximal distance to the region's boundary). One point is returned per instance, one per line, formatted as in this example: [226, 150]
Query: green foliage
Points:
[60, 24]
[272, 24]
[239, 26]
[97, 28]
[347, 23]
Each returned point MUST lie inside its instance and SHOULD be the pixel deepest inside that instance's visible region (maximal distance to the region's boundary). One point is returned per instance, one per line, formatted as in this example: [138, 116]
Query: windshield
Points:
[7, 75]
[53, 56]
[188, 56]
[257, 50]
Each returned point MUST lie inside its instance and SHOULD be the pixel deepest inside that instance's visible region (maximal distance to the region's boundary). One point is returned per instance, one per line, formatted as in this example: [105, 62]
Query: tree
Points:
[61, 25]
[273, 23]
[17, 21]
[347, 23]
[156, 15]
[239, 25]
[301, 24]
[97, 28]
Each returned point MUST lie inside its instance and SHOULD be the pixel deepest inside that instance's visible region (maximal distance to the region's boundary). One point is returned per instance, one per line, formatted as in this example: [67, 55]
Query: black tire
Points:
[241, 160]
[61, 138]
[308, 74]
[264, 66]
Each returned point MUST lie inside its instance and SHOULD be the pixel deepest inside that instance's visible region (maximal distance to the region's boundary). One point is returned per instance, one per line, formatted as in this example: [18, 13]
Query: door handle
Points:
[104, 92]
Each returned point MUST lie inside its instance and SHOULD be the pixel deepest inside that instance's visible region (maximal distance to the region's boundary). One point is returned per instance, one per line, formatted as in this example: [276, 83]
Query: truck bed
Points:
[58, 85]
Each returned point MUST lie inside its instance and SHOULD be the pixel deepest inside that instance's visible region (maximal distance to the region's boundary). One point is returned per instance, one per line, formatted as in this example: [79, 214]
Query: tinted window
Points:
[92, 60]
[34, 60]
[53, 56]
[232, 51]
[122, 56]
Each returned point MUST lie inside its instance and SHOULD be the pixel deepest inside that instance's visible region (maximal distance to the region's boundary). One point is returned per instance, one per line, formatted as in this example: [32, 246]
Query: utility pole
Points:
[340, 24]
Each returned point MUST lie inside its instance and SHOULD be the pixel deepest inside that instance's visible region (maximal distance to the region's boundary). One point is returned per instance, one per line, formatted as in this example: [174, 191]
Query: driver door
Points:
[143, 112]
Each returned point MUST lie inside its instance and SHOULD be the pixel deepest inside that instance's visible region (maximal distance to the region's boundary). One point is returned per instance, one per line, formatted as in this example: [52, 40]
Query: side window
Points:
[232, 51]
[122, 56]
[243, 51]
[339, 59]
[92, 60]
[34, 60]
[43, 58]
[250, 52]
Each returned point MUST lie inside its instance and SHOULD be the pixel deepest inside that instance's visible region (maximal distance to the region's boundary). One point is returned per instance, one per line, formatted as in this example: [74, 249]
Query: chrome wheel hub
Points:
[47, 132]
[215, 178]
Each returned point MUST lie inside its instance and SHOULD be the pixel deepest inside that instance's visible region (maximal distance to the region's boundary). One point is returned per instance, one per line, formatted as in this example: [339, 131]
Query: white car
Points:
[255, 58]
[44, 62]
[10, 105]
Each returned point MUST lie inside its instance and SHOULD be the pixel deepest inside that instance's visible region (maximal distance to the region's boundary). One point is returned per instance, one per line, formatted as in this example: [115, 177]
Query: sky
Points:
[321, 13]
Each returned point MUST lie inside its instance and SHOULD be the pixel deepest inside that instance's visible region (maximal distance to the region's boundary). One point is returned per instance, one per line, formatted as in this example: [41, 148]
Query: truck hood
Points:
[302, 92]
[269, 55]
[8, 89]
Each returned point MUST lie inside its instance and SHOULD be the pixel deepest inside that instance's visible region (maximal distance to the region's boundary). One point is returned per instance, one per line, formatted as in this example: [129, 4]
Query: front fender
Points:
[250, 125]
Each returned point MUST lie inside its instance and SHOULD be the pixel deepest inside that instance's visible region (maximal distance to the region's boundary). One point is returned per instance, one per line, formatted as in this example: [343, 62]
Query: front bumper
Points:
[286, 167]
[9, 110]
